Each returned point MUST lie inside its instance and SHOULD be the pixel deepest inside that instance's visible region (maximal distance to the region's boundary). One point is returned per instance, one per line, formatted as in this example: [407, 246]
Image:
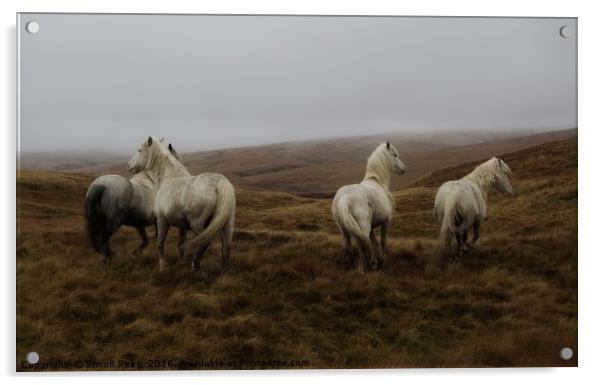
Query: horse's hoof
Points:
[374, 264]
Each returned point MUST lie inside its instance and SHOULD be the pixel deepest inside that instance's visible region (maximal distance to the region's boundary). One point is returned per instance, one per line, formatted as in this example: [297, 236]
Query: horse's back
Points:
[203, 190]
[461, 195]
[345, 190]
[208, 180]
[111, 181]
[191, 184]
[379, 200]
[181, 198]
[364, 201]
[351, 192]
[142, 201]
[117, 191]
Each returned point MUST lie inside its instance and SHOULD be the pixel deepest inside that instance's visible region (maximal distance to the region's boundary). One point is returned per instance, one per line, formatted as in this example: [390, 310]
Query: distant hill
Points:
[318, 168]
[68, 161]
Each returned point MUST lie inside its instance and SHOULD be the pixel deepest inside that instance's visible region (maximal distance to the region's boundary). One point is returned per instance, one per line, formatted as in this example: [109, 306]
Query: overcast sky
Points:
[105, 82]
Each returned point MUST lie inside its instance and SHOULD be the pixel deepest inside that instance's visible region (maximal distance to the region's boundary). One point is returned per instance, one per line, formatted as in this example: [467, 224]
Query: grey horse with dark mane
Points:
[113, 201]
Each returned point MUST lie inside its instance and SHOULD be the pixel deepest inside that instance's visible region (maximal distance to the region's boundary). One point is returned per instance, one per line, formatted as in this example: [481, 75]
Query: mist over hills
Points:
[315, 168]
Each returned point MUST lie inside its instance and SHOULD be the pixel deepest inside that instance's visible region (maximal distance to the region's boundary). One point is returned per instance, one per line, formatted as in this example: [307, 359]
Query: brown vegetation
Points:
[291, 294]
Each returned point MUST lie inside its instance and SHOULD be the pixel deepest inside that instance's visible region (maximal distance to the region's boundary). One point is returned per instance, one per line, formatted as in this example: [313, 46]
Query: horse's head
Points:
[139, 161]
[501, 182]
[396, 165]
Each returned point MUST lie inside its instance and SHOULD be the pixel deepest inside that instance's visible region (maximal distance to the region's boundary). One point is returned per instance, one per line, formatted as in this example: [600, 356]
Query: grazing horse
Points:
[113, 201]
[203, 203]
[358, 209]
[461, 205]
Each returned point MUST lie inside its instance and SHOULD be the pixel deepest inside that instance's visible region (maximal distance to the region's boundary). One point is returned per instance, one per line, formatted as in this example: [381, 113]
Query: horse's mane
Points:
[163, 163]
[378, 166]
[484, 174]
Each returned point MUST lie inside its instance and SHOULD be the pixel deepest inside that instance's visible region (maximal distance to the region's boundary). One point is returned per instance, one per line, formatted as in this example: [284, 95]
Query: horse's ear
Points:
[149, 141]
[388, 146]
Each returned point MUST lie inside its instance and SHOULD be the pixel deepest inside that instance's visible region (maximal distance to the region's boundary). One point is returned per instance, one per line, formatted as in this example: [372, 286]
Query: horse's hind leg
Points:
[196, 258]
[460, 246]
[465, 244]
[365, 254]
[226, 236]
[197, 226]
[383, 239]
[347, 244]
[162, 229]
[181, 241]
[364, 241]
[365, 250]
[374, 262]
[445, 249]
[105, 251]
[476, 233]
[142, 232]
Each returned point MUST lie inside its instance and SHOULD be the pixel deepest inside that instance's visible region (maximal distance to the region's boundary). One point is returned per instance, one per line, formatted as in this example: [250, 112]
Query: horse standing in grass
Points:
[113, 201]
[204, 203]
[461, 205]
[358, 209]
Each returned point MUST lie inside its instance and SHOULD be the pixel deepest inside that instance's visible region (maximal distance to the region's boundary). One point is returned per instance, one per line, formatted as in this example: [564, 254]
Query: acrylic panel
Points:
[295, 192]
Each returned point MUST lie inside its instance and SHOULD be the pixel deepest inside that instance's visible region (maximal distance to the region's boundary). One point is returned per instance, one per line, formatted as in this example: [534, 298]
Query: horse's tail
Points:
[452, 218]
[222, 216]
[348, 222]
[96, 220]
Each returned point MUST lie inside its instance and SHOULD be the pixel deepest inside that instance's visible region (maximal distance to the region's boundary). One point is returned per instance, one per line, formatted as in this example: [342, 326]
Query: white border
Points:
[590, 125]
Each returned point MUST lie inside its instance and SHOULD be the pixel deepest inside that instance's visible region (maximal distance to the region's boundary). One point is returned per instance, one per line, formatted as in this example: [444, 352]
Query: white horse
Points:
[461, 205]
[204, 203]
[358, 209]
[113, 201]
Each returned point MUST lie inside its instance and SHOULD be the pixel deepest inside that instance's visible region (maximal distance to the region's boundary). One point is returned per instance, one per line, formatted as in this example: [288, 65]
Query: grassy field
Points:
[290, 293]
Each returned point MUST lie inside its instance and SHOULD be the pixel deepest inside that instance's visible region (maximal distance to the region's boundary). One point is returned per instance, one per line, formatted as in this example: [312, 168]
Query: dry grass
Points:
[290, 293]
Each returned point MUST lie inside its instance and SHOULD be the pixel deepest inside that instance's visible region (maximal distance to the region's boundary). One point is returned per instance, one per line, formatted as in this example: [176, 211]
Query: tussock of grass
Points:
[292, 294]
